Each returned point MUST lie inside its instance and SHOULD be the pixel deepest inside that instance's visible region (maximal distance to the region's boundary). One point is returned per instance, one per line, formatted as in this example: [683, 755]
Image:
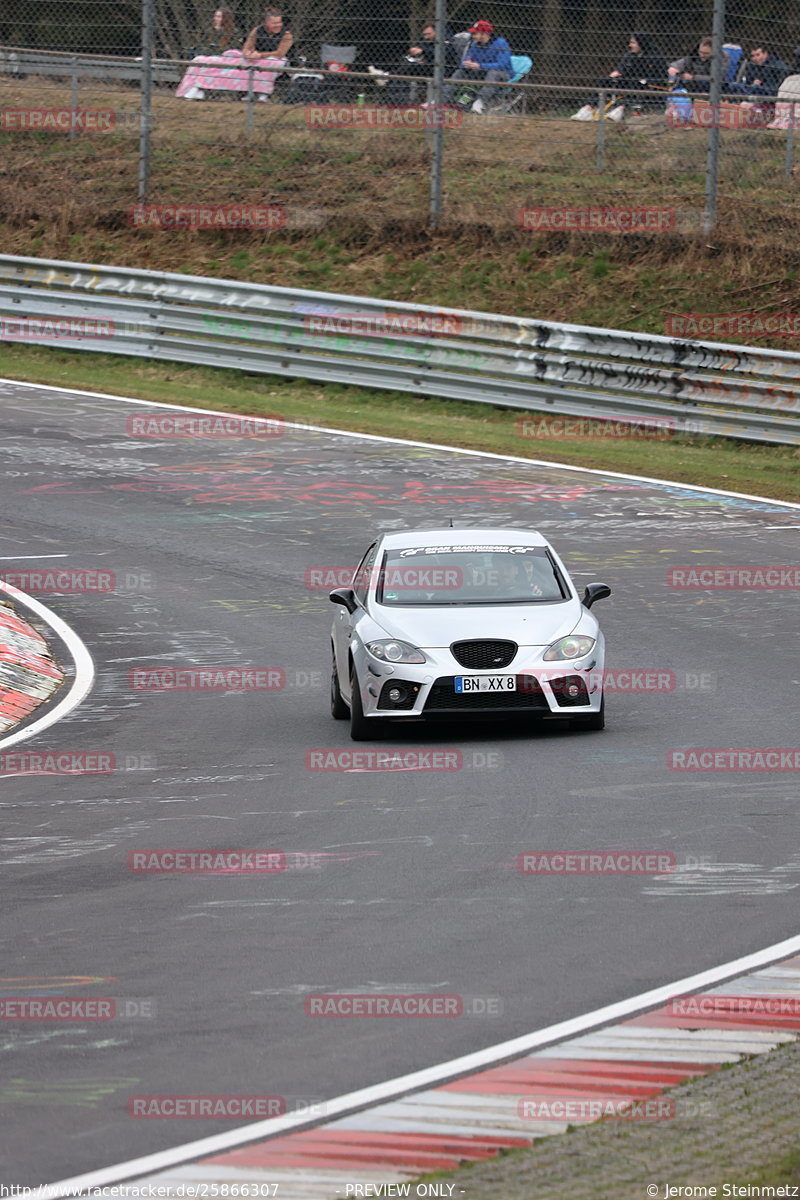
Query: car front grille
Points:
[443, 697]
[483, 656]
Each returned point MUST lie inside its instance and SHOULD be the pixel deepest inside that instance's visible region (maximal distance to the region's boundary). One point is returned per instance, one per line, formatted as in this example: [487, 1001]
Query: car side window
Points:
[363, 572]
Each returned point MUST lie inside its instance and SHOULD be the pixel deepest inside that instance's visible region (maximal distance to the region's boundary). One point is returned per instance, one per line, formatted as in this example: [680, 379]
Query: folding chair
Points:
[735, 65]
[514, 101]
[308, 87]
[460, 41]
[337, 58]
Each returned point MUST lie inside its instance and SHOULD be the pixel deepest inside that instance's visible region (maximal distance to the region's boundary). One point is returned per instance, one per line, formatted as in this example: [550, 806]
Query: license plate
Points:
[486, 683]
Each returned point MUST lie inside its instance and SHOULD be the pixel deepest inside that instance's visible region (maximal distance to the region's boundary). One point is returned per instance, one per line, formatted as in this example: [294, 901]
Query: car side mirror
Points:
[595, 591]
[344, 596]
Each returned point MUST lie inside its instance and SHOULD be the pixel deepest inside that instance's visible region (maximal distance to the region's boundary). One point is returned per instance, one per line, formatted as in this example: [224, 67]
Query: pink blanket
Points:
[228, 73]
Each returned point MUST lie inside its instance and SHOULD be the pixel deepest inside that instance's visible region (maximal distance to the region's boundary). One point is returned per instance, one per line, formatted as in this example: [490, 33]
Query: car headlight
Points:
[568, 647]
[396, 652]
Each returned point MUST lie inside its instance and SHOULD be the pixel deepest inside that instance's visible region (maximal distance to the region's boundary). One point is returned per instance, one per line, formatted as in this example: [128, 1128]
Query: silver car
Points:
[465, 622]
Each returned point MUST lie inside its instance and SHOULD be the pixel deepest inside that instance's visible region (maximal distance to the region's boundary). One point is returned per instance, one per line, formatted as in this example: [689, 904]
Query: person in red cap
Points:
[486, 58]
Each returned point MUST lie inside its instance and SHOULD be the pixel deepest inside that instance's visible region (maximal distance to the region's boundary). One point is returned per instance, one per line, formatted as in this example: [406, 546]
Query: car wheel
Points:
[339, 710]
[361, 730]
[595, 721]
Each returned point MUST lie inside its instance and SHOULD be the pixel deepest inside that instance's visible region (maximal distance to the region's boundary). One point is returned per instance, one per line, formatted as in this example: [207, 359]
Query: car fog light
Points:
[396, 694]
[573, 690]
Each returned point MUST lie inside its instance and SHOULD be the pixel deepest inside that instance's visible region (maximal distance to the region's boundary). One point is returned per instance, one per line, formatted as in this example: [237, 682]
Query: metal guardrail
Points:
[19, 62]
[514, 362]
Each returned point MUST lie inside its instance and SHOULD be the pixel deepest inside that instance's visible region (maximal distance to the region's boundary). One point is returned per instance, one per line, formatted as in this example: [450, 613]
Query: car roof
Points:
[462, 537]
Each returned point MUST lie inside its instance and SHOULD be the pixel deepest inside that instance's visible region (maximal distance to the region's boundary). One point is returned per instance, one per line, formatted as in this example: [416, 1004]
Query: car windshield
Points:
[467, 575]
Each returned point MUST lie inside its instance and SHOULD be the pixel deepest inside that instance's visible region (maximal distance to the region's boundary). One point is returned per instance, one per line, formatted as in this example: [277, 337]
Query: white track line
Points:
[430, 1076]
[374, 437]
[481, 1059]
[84, 668]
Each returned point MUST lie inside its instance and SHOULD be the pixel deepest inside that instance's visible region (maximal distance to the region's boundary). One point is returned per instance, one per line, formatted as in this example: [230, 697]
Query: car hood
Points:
[525, 624]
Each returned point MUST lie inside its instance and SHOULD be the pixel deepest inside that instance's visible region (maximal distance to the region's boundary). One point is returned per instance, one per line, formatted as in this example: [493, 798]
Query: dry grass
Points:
[357, 208]
[493, 164]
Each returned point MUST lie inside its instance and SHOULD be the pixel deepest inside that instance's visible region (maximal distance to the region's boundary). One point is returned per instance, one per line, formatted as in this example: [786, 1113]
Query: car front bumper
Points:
[543, 690]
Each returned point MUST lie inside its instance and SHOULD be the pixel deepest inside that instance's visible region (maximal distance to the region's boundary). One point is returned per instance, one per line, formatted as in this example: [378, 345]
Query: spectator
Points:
[763, 75]
[695, 69]
[486, 58]
[225, 34]
[229, 70]
[787, 108]
[643, 66]
[423, 54]
[222, 35]
[418, 61]
[270, 40]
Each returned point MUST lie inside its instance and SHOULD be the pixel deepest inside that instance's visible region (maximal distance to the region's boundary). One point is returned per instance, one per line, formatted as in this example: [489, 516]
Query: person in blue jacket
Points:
[486, 58]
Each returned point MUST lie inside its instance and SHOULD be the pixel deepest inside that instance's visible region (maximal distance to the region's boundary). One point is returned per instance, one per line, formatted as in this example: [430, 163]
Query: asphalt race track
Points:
[415, 887]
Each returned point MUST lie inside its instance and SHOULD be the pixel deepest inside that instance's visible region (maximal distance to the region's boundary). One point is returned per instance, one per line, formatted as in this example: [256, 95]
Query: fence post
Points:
[600, 155]
[438, 115]
[250, 70]
[787, 170]
[146, 106]
[715, 93]
[73, 97]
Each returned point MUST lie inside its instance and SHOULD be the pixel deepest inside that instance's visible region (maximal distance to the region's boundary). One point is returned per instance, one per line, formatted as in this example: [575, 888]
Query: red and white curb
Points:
[619, 1070]
[82, 659]
[472, 1119]
[28, 674]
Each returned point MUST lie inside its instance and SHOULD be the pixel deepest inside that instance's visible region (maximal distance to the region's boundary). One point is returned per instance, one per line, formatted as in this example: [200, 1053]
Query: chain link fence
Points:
[566, 115]
[573, 42]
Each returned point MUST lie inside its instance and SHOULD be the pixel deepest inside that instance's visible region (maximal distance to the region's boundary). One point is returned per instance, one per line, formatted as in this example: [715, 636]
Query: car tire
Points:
[339, 709]
[595, 721]
[361, 730]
